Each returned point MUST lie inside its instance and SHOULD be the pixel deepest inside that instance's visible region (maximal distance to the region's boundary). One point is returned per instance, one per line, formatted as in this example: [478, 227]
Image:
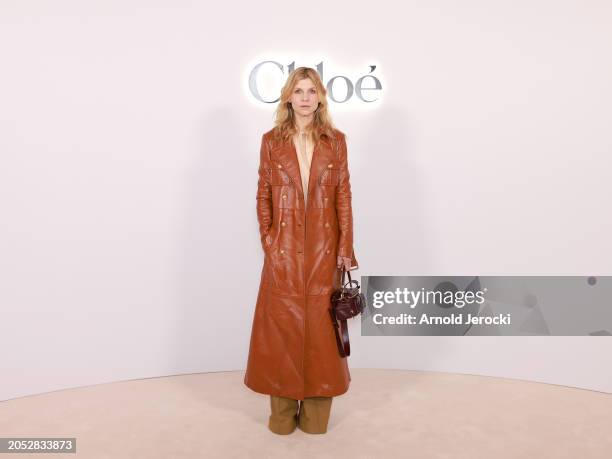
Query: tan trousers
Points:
[313, 415]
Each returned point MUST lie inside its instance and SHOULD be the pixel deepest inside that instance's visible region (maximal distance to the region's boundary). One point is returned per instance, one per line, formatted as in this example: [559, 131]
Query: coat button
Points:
[330, 165]
[283, 223]
[327, 251]
[279, 166]
[326, 225]
[282, 251]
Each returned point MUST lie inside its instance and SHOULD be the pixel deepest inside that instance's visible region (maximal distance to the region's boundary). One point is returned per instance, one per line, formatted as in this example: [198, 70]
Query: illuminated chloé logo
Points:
[267, 77]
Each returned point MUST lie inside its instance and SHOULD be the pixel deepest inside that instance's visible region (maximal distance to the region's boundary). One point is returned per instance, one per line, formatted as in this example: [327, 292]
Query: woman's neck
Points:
[302, 124]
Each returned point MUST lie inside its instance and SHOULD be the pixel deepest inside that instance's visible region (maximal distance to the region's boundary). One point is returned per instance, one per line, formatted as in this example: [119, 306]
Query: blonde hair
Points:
[321, 126]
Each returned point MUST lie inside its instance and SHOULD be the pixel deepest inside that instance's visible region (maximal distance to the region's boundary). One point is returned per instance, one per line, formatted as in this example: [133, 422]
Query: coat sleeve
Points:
[264, 192]
[344, 206]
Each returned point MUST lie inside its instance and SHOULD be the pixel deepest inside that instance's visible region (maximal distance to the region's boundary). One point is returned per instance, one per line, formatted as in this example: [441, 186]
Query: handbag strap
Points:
[341, 327]
[349, 276]
[344, 345]
[350, 282]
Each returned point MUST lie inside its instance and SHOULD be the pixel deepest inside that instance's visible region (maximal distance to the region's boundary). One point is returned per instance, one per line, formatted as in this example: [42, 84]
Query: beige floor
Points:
[386, 413]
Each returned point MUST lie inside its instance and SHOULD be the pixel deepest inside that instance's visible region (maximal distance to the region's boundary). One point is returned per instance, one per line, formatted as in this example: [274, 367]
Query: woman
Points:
[306, 229]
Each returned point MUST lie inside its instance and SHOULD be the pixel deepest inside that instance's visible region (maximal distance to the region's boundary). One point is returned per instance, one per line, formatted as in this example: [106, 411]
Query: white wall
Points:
[129, 148]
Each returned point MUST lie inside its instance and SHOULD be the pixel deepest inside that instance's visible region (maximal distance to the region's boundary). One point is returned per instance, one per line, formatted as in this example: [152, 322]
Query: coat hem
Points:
[296, 396]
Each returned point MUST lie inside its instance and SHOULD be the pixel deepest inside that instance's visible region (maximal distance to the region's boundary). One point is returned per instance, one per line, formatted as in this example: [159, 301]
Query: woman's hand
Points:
[344, 261]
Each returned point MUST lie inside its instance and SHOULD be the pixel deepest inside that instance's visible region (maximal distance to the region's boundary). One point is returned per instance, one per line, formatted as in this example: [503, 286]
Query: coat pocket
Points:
[267, 241]
[271, 238]
[278, 175]
[330, 176]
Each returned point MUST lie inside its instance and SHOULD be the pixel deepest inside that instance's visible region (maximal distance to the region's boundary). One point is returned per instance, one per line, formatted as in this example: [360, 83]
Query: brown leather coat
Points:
[293, 351]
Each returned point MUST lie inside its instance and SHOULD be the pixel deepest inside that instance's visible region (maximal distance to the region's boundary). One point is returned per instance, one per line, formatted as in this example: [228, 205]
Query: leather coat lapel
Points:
[286, 155]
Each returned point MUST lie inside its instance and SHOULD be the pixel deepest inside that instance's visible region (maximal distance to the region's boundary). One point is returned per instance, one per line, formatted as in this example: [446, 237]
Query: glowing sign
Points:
[365, 88]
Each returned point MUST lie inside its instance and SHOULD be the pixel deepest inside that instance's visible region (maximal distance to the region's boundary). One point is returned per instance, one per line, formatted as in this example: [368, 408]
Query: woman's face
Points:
[304, 99]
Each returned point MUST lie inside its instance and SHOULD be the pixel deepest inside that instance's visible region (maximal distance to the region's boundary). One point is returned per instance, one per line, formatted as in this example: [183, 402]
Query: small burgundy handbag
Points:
[346, 302]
